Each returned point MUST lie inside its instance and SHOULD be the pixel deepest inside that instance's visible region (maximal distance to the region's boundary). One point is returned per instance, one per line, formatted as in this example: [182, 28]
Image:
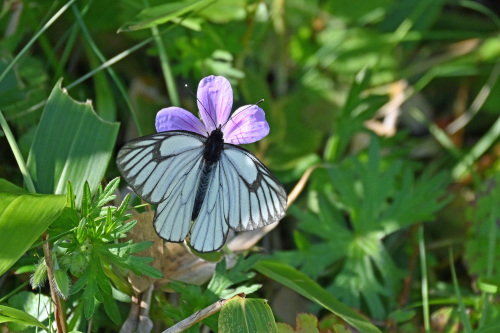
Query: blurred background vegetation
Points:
[395, 103]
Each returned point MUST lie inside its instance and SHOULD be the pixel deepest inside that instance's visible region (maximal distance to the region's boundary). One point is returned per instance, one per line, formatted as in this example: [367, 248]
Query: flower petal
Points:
[248, 124]
[215, 96]
[174, 118]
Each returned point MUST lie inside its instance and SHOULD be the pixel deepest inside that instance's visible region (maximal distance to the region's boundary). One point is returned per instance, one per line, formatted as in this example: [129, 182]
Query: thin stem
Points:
[15, 291]
[58, 308]
[458, 295]
[28, 45]
[478, 102]
[110, 62]
[198, 316]
[477, 151]
[165, 65]
[425, 287]
[17, 154]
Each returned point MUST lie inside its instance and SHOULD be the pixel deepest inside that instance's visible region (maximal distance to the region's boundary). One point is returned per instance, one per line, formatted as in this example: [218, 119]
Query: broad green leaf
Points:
[246, 315]
[71, 143]
[299, 282]
[8, 314]
[23, 218]
[164, 13]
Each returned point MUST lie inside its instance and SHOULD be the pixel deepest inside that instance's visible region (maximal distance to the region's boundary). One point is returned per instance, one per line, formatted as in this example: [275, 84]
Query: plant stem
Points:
[425, 287]
[17, 154]
[58, 309]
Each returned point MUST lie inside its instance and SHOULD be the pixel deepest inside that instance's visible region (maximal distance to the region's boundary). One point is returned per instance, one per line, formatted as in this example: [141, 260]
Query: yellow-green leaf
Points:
[23, 218]
[8, 314]
[71, 144]
[246, 315]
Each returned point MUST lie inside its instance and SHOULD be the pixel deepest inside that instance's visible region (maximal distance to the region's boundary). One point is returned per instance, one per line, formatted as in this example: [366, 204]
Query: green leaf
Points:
[482, 250]
[62, 283]
[246, 315]
[8, 314]
[305, 323]
[107, 195]
[160, 14]
[86, 200]
[111, 308]
[23, 218]
[35, 304]
[222, 279]
[71, 143]
[299, 282]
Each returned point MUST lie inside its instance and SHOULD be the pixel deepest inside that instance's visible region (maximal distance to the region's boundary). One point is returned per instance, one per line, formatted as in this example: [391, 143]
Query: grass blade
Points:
[461, 305]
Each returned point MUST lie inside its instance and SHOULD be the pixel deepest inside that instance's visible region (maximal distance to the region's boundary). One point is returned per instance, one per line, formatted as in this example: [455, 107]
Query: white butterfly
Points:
[201, 181]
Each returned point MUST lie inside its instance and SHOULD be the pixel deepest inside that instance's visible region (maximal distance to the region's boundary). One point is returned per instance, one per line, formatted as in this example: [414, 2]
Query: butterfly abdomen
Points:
[201, 191]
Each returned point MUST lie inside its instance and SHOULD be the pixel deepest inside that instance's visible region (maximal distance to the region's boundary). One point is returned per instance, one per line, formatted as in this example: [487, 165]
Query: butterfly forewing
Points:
[153, 164]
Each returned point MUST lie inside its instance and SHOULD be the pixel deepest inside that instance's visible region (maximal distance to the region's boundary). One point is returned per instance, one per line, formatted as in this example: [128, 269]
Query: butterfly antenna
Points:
[208, 113]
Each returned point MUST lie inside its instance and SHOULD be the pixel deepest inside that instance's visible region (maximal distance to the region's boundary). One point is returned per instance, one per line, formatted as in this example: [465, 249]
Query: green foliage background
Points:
[395, 104]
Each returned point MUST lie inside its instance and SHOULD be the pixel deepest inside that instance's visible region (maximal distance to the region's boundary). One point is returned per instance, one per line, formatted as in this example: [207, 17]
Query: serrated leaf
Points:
[71, 154]
[125, 227]
[123, 207]
[23, 219]
[107, 194]
[246, 315]
[80, 283]
[223, 279]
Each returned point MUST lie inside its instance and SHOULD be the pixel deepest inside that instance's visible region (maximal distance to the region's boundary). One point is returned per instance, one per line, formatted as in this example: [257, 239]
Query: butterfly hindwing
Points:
[257, 197]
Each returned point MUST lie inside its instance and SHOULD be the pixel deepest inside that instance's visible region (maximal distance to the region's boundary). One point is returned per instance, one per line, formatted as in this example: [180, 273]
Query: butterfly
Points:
[202, 182]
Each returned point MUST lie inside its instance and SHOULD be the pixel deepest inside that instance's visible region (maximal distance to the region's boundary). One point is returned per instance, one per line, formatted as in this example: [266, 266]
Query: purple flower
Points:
[215, 100]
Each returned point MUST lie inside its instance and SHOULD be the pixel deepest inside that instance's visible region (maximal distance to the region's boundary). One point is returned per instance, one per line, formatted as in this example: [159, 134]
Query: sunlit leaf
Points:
[8, 314]
[246, 315]
[23, 218]
[71, 143]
